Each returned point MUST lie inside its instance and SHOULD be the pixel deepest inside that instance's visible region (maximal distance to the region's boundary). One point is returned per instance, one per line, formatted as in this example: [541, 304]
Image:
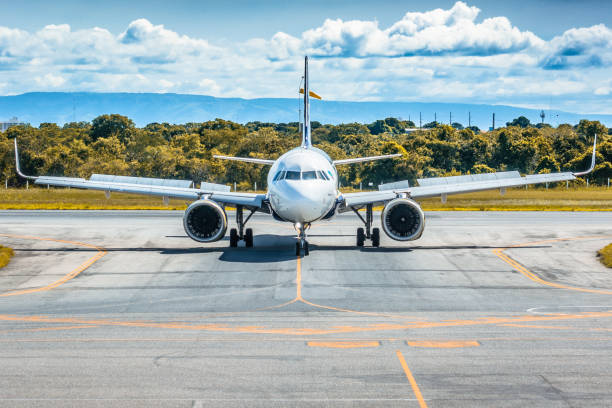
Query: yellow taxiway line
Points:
[71, 275]
[411, 380]
[499, 252]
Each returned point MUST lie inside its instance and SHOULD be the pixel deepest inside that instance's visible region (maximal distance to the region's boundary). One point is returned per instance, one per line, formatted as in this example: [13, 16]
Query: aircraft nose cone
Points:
[303, 201]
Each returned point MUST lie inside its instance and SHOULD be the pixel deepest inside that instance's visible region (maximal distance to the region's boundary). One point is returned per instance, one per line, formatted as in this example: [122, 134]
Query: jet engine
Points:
[205, 221]
[403, 220]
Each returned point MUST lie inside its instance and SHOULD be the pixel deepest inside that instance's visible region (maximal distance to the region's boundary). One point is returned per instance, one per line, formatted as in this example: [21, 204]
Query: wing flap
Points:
[217, 192]
[163, 191]
[468, 178]
[441, 187]
[469, 187]
[141, 181]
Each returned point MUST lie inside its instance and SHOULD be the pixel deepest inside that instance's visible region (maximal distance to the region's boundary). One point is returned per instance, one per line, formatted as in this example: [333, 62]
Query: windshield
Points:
[305, 175]
[292, 175]
[309, 175]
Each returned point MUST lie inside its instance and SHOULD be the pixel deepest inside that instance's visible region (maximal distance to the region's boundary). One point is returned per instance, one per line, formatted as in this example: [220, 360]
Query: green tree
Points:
[105, 126]
[521, 121]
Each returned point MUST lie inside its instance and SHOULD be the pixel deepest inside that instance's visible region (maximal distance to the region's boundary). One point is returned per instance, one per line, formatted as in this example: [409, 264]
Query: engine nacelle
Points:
[205, 221]
[403, 220]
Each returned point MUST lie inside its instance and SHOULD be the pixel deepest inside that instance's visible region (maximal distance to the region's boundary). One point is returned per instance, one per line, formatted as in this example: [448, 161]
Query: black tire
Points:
[297, 249]
[306, 250]
[248, 237]
[233, 238]
[360, 237]
[375, 237]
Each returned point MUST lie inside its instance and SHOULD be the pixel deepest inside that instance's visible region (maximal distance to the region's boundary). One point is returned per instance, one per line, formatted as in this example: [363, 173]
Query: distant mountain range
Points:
[144, 108]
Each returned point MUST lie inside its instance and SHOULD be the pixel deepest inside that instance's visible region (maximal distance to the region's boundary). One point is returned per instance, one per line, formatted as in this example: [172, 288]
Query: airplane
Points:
[303, 188]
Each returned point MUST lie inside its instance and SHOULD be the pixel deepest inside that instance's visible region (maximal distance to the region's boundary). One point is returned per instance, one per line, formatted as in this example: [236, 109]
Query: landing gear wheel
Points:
[248, 237]
[233, 238]
[306, 251]
[297, 249]
[375, 237]
[360, 237]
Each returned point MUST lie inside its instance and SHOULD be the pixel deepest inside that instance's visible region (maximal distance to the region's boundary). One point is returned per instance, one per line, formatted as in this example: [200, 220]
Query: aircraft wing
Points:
[443, 186]
[182, 189]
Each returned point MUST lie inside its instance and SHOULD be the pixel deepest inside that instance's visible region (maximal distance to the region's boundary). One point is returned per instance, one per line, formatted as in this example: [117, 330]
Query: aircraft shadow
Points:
[269, 248]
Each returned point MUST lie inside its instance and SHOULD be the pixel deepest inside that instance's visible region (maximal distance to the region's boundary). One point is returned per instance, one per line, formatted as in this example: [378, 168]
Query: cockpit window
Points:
[292, 175]
[305, 175]
[279, 176]
[309, 175]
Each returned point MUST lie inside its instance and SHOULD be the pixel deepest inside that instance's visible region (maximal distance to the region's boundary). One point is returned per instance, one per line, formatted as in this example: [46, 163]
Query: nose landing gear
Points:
[301, 244]
[240, 233]
[369, 232]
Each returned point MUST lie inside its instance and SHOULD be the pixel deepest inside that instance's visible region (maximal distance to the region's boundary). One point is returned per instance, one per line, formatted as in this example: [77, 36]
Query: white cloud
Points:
[50, 81]
[580, 47]
[437, 32]
[604, 90]
[209, 86]
[439, 55]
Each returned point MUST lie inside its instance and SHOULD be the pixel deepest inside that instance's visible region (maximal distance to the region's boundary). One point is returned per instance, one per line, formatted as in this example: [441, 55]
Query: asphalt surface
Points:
[486, 310]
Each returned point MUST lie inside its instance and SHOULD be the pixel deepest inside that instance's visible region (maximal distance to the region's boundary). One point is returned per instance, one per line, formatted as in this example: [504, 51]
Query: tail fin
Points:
[306, 142]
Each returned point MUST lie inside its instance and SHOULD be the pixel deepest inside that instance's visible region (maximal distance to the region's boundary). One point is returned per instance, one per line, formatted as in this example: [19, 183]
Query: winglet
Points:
[584, 173]
[17, 166]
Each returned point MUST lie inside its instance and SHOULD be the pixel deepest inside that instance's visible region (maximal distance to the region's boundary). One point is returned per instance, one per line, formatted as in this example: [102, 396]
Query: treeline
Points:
[111, 144]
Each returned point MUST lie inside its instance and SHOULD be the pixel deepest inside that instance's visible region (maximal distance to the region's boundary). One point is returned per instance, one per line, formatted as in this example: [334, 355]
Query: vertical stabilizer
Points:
[306, 142]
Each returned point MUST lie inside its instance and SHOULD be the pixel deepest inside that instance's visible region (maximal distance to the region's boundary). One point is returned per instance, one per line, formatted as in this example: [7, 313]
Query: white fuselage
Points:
[303, 185]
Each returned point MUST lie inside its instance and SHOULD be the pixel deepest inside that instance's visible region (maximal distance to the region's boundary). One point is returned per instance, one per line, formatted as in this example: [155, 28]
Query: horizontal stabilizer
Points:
[365, 159]
[245, 159]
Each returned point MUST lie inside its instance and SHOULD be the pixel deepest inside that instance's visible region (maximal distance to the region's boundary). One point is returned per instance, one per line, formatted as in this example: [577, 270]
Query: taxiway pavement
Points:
[488, 309]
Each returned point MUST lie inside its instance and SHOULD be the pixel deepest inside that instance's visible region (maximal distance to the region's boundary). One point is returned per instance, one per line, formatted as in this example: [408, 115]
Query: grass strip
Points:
[5, 255]
[605, 255]
[517, 199]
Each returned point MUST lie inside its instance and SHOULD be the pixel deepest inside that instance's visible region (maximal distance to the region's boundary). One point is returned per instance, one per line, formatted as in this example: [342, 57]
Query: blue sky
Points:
[542, 54]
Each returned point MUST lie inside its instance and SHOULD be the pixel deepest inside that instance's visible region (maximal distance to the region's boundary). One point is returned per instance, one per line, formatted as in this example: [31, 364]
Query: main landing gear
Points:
[240, 233]
[369, 232]
[301, 244]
